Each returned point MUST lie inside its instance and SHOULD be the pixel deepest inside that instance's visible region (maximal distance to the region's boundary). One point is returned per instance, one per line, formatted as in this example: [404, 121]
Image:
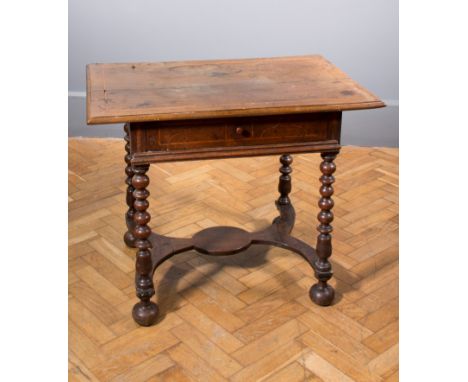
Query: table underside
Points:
[156, 141]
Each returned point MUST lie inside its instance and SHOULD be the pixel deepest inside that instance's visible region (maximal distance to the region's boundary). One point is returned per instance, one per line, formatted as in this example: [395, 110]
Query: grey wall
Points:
[359, 36]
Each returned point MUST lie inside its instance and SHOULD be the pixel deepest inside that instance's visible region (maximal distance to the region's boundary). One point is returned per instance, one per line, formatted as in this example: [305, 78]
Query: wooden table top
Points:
[137, 92]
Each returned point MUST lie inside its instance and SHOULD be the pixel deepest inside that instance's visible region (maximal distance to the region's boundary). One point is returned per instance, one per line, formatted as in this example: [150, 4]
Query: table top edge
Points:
[209, 114]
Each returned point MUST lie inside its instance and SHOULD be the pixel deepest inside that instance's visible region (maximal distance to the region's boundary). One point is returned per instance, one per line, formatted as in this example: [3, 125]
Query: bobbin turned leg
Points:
[129, 238]
[284, 186]
[322, 293]
[145, 312]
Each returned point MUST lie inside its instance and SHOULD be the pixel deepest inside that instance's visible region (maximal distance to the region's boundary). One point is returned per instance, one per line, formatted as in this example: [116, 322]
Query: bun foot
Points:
[129, 239]
[322, 294]
[145, 313]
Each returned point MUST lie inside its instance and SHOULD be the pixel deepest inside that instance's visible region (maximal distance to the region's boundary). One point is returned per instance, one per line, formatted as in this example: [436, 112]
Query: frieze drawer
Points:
[229, 132]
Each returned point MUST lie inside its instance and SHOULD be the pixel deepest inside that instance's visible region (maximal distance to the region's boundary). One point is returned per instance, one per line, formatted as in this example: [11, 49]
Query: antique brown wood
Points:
[142, 92]
[128, 237]
[146, 311]
[284, 186]
[234, 137]
[223, 109]
[322, 293]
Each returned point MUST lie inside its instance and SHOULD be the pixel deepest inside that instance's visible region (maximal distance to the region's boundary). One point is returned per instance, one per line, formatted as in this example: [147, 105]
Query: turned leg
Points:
[129, 238]
[285, 221]
[284, 185]
[322, 293]
[145, 312]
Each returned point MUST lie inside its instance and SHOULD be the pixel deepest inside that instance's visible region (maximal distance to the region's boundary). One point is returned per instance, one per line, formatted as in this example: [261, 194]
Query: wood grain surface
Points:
[138, 92]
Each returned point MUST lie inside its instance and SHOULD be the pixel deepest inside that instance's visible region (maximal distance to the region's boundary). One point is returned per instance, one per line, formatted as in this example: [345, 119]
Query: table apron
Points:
[234, 137]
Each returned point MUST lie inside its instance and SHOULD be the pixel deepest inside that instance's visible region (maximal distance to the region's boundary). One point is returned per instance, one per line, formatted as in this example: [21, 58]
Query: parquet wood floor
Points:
[246, 317]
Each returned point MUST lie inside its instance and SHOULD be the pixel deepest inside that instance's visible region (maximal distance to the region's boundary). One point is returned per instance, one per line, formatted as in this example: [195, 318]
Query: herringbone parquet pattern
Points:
[246, 317]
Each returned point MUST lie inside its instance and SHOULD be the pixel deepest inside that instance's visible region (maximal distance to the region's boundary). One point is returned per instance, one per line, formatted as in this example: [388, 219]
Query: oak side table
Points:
[196, 110]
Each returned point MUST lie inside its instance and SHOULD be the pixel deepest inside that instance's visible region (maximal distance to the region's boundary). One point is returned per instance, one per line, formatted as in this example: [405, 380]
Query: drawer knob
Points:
[241, 131]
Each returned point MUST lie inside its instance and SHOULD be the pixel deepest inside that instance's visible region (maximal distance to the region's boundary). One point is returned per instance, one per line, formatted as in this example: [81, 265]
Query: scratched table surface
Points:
[138, 92]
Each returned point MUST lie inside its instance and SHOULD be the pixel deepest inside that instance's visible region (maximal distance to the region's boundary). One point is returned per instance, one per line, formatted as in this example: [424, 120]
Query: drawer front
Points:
[235, 134]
